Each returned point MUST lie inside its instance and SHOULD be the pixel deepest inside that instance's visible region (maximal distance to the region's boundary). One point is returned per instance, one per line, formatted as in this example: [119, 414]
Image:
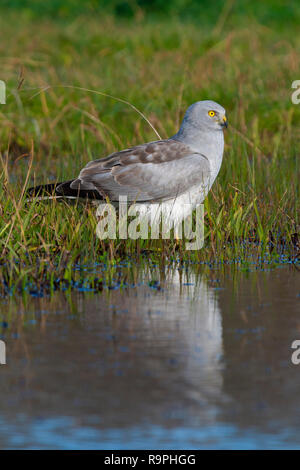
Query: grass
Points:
[49, 130]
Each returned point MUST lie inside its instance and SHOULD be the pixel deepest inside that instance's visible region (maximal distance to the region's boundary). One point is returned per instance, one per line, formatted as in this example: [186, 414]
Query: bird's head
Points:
[206, 115]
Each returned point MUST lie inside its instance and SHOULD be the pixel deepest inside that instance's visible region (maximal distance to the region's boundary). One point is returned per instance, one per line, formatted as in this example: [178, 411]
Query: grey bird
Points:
[176, 173]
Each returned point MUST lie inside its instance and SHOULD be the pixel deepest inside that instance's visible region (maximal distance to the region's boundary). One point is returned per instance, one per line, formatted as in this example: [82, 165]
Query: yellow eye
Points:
[211, 113]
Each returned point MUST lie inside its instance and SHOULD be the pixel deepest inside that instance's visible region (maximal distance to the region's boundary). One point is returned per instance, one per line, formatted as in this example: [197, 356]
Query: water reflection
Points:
[176, 360]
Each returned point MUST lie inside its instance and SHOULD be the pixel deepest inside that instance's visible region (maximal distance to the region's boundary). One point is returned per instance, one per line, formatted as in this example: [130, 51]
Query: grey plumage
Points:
[177, 170]
[150, 172]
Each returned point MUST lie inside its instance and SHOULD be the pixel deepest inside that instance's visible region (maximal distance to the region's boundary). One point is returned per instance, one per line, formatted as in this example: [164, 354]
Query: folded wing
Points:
[155, 171]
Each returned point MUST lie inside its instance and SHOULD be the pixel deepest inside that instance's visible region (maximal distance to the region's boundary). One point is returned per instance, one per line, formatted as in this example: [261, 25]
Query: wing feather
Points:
[155, 171]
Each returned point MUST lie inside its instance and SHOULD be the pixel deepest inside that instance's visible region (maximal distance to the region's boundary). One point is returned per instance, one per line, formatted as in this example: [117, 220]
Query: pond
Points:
[178, 358]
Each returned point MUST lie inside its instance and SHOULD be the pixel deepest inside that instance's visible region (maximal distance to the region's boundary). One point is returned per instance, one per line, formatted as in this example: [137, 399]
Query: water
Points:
[178, 360]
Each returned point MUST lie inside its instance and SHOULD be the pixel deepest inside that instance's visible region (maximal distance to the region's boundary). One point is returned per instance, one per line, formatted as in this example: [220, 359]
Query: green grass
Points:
[160, 66]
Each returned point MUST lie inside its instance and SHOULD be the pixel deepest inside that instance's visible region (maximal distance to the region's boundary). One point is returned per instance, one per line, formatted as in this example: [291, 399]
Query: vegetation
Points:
[58, 71]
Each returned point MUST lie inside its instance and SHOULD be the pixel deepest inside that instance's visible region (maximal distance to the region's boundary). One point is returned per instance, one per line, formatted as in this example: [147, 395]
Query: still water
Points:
[174, 359]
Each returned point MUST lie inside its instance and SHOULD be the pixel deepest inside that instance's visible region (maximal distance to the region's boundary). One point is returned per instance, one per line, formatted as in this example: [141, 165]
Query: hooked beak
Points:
[224, 122]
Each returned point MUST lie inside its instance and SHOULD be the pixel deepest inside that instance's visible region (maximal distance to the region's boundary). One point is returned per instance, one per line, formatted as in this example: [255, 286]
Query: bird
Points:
[176, 173]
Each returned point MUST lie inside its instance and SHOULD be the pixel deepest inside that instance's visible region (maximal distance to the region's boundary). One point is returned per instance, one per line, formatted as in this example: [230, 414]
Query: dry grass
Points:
[160, 68]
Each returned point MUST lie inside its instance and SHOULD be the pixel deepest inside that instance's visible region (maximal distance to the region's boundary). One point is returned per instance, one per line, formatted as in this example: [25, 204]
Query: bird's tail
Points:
[61, 190]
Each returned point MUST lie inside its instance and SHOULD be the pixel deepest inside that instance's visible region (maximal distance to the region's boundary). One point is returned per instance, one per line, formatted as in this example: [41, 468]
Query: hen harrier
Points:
[176, 173]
